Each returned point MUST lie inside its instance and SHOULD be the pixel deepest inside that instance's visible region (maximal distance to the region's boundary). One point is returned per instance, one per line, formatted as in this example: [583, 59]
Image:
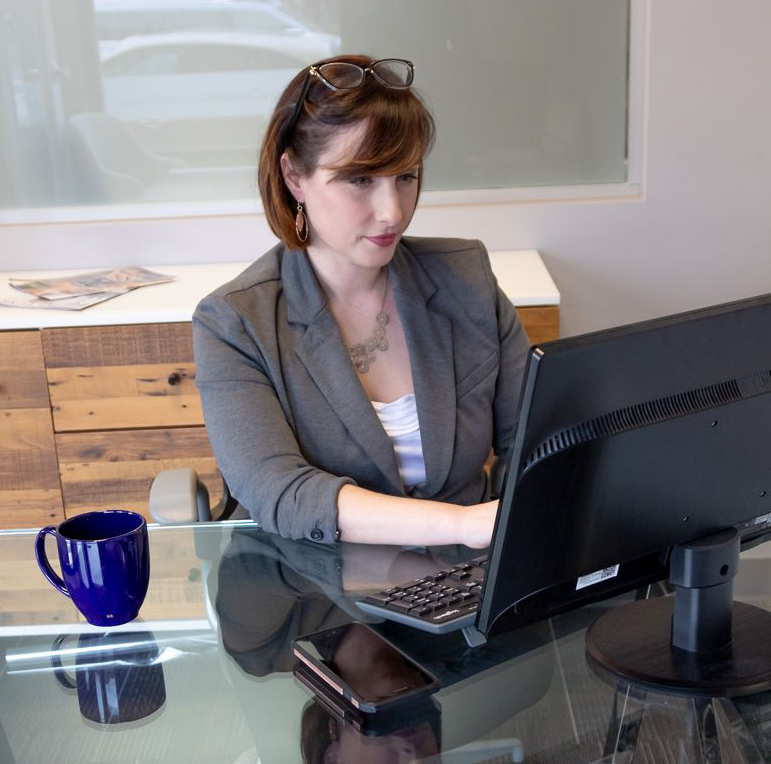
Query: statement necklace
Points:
[362, 354]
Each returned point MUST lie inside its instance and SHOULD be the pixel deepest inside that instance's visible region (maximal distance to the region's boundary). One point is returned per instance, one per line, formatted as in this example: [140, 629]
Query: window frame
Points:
[175, 213]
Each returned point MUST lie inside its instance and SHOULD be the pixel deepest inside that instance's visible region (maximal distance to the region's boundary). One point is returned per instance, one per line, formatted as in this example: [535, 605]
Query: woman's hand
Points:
[476, 524]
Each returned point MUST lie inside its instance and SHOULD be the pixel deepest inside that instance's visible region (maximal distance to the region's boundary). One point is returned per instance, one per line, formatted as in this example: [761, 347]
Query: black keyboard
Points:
[443, 601]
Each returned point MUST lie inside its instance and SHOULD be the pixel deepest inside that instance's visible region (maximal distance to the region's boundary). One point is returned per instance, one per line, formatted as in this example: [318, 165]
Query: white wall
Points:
[701, 233]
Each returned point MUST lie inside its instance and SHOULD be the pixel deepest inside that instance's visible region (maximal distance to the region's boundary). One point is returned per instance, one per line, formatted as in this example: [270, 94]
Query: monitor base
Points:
[633, 642]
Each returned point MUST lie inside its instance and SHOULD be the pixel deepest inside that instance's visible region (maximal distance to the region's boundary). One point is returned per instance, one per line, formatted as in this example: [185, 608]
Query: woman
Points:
[353, 381]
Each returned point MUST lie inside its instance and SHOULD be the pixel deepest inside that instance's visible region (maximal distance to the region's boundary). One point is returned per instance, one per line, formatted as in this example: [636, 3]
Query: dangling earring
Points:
[301, 223]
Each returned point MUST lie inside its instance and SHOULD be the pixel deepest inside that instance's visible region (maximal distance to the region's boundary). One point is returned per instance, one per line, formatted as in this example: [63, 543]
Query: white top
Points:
[521, 274]
[400, 421]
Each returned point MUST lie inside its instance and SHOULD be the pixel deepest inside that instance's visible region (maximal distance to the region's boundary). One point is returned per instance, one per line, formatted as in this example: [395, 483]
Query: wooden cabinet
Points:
[124, 408]
[542, 324]
[89, 416]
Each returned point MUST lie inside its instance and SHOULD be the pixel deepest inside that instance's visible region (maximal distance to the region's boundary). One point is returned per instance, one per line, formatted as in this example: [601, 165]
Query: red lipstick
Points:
[384, 240]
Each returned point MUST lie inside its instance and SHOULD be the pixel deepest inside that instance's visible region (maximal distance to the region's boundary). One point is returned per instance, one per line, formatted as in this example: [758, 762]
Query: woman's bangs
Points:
[390, 146]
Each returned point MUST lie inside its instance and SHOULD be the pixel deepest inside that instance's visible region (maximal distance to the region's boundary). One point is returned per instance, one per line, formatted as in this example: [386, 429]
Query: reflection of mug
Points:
[105, 560]
[117, 676]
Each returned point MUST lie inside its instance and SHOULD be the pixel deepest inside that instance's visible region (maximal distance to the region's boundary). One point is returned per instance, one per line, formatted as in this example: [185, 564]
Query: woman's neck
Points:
[346, 283]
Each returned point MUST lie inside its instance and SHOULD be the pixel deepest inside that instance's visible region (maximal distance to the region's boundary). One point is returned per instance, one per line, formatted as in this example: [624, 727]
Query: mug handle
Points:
[56, 664]
[42, 560]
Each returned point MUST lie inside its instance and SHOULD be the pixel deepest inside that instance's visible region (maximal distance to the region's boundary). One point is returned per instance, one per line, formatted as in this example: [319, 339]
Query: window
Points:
[113, 102]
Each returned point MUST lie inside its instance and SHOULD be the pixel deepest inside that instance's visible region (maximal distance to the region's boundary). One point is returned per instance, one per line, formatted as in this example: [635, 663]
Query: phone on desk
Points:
[356, 665]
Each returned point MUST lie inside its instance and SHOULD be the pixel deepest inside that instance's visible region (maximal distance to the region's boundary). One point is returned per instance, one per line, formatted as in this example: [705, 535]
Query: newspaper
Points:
[82, 290]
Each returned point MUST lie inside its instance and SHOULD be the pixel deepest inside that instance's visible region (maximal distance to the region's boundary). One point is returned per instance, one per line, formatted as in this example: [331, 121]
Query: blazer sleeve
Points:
[252, 440]
[514, 345]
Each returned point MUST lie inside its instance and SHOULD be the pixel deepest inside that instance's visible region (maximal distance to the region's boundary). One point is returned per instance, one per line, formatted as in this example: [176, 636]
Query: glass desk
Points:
[205, 673]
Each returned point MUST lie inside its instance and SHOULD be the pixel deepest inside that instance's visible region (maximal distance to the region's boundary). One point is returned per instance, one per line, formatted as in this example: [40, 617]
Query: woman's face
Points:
[355, 220]
[403, 747]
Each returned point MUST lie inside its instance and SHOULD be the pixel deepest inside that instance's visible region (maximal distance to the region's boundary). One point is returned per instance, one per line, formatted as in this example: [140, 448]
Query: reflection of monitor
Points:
[632, 441]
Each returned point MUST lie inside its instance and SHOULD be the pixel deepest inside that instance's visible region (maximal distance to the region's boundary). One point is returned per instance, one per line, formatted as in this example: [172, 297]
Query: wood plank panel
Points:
[154, 380]
[31, 507]
[123, 413]
[22, 376]
[121, 397]
[118, 345]
[103, 470]
[30, 494]
[27, 456]
[542, 324]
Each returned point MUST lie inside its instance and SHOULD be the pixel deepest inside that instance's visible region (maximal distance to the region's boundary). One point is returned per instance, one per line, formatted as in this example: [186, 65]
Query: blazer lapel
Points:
[324, 356]
[429, 339]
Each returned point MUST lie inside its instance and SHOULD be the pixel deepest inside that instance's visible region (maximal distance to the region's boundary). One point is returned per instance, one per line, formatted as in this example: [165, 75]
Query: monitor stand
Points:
[698, 642]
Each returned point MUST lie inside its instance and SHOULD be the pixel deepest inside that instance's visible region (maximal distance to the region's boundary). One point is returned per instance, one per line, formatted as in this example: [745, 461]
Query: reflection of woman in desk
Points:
[271, 590]
[354, 381]
[325, 740]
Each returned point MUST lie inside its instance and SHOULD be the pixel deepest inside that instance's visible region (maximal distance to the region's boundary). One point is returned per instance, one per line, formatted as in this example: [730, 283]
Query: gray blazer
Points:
[287, 417]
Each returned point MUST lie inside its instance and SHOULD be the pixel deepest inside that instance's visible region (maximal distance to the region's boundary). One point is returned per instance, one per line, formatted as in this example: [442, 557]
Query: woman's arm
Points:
[373, 518]
[267, 472]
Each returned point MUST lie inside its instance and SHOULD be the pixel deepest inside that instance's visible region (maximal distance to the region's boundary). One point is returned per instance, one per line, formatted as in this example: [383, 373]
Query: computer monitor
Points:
[631, 442]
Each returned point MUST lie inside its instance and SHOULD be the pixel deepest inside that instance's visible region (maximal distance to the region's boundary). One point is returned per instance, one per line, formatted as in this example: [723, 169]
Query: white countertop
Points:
[521, 274]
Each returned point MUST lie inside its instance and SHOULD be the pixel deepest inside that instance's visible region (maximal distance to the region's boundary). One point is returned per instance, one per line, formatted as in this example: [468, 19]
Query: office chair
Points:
[180, 496]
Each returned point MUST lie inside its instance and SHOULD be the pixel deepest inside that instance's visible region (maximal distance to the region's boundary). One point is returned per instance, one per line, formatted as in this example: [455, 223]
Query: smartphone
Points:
[364, 669]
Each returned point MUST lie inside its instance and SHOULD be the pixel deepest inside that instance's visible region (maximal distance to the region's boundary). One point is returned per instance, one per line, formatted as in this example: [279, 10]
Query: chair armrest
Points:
[178, 496]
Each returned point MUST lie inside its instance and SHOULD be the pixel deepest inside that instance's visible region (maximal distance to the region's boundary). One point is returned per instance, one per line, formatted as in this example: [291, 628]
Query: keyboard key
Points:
[378, 599]
[400, 606]
[460, 575]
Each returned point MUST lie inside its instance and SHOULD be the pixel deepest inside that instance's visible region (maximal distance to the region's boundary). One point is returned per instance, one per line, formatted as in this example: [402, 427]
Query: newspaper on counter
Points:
[81, 290]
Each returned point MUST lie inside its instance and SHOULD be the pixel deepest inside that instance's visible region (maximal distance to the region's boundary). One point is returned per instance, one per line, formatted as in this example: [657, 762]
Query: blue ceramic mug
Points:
[105, 561]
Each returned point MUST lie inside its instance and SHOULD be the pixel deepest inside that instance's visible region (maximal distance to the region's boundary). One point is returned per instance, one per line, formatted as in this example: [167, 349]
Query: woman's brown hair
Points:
[400, 132]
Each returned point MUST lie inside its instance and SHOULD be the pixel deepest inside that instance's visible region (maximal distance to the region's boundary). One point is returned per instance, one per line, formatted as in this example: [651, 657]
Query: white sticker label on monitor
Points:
[597, 576]
[762, 519]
